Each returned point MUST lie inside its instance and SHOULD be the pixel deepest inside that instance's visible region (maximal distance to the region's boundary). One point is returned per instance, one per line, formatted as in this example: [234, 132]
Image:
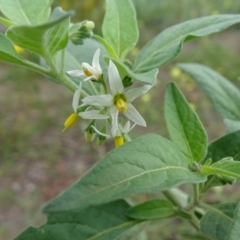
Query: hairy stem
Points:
[195, 194]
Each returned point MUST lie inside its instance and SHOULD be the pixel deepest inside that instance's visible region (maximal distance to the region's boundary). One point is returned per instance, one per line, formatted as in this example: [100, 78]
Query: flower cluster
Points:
[106, 106]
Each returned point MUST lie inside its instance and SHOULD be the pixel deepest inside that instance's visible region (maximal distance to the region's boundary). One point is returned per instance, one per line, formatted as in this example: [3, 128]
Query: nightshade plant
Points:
[96, 69]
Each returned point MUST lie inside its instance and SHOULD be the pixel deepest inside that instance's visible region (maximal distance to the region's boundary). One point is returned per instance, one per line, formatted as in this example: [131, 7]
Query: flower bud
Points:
[90, 132]
[100, 138]
[90, 25]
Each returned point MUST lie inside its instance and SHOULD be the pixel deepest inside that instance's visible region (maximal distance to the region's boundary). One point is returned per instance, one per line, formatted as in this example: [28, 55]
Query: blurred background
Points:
[38, 161]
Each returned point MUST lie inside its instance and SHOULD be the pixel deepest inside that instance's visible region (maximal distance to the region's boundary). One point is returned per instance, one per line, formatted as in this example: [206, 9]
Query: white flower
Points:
[87, 114]
[119, 100]
[91, 72]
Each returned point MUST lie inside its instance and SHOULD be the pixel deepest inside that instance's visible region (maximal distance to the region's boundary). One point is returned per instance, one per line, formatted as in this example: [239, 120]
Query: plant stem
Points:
[207, 185]
[195, 222]
[195, 194]
[177, 197]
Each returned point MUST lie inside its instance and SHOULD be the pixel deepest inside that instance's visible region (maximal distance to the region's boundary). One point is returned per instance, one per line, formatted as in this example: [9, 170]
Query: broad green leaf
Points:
[152, 209]
[8, 54]
[46, 39]
[225, 146]
[234, 233]
[102, 222]
[217, 222]
[168, 43]
[231, 125]
[29, 12]
[120, 28]
[223, 94]
[148, 164]
[133, 232]
[149, 77]
[29, 234]
[184, 126]
[225, 168]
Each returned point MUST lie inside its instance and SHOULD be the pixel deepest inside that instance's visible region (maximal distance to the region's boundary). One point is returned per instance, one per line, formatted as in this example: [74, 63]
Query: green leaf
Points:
[217, 222]
[102, 222]
[152, 209]
[168, 43]
[28, 234]
[149, 77]
[133, 232]
[23, 12]
[46, 39]
[234, 233]
[225, 168]
[8, 54]
[184, 126]
[222, 93]
[231, 125]
[148, 164]
[218, 150]
[120, 28]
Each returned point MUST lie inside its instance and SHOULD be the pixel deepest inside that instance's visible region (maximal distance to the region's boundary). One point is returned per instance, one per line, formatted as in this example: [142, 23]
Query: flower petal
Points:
[88, 78]
[114, 114]
[136, 92]
[75, 73]
[92, 114]
[115, 82]
[127, 128]
[95, 61]
[99, 100]
[76, 97]
[91, 71]
[133, 115]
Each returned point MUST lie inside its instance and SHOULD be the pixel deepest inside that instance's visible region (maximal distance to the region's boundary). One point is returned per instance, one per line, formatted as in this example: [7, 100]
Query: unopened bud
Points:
[101, 140]
[90, 25]
[90, 132]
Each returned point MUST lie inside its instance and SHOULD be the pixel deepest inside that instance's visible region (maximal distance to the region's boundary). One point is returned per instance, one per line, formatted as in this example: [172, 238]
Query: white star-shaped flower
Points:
[93, 71]
[119, 100]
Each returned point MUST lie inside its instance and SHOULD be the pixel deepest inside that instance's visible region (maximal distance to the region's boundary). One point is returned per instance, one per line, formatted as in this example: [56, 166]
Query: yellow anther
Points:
[71, 120]
[86, 72]
[121, 105]
[118, 141]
